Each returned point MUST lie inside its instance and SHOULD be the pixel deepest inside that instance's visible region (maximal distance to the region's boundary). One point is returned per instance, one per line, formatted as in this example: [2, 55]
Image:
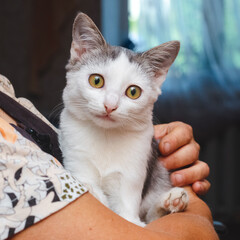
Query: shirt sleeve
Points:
[33, 184]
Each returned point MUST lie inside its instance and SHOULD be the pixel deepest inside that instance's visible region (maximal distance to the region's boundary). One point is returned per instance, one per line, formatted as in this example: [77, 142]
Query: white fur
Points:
[109, 155]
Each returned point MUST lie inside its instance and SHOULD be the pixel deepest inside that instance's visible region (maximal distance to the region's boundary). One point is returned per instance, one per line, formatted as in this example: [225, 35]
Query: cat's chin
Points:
[105, 121]
[105, 118]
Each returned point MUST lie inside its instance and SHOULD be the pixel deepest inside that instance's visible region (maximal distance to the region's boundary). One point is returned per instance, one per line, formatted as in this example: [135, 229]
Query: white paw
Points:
[175, 200]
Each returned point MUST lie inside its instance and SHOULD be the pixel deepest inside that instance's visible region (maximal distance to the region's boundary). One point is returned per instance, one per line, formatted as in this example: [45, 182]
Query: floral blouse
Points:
[33, 184]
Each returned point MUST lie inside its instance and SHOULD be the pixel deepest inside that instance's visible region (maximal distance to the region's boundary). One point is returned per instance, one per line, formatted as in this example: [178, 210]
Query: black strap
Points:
[42, 134]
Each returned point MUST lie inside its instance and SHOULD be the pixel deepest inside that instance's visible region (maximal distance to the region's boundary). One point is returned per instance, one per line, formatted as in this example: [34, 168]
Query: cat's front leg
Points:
[89, 176]
[130, 200]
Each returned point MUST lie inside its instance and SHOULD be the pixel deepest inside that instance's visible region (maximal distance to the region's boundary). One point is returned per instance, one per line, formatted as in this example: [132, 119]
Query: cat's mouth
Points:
[106, 117]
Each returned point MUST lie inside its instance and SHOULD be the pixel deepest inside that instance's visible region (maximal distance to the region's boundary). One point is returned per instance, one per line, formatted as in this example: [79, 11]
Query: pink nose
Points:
[109, 109]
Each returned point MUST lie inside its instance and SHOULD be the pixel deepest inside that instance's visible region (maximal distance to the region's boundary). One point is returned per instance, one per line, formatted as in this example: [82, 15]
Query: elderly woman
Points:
[39, 199]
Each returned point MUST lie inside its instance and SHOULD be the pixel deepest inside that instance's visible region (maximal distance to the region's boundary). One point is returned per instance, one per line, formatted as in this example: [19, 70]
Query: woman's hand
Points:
[179, 150]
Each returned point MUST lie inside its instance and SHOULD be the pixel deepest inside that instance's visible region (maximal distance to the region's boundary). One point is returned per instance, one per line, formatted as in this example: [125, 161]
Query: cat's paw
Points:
[175, 200]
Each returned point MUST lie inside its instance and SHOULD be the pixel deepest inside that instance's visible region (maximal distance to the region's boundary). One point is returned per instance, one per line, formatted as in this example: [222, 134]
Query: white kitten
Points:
[106, 124]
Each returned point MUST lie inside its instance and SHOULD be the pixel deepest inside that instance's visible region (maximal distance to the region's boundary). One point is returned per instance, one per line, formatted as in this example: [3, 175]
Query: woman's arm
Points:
[86, 218]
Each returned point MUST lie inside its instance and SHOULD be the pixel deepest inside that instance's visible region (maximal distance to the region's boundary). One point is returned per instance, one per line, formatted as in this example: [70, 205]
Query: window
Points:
[207, 31]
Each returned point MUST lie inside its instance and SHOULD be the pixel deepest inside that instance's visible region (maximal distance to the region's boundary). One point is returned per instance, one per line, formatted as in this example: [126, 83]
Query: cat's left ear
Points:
[159, 59]
[86, 36]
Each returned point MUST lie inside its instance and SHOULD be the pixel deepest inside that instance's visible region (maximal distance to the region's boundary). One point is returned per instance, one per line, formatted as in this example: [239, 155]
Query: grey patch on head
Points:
[114, 52]
[90, 57]
[140, 61]
[103, 55]
[133, 57]
[157, 178]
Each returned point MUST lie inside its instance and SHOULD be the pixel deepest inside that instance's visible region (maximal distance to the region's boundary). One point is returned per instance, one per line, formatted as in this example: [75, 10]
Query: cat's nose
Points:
[109, 109]
[111, 102]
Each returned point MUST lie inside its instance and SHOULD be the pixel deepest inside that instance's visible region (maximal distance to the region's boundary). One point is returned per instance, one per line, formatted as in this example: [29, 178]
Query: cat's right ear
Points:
[159, 59]
[86, 36]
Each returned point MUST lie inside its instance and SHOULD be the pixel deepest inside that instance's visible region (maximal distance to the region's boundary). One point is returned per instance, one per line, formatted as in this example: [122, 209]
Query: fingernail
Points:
[166, 147]
[199, 187]
[178, 178]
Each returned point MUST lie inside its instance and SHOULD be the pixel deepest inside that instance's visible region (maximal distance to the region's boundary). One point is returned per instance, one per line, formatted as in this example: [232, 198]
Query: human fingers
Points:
[198, 171]
[184, 156]
[201, 187]
[160, 130]
[173, 136]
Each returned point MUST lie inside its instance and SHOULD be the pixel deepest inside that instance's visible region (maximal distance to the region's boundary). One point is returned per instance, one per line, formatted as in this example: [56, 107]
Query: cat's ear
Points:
[86, 36]
[159, 59]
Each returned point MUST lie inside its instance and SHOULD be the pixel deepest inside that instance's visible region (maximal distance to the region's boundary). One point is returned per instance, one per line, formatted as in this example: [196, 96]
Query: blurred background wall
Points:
[35, 40]
[202, 87]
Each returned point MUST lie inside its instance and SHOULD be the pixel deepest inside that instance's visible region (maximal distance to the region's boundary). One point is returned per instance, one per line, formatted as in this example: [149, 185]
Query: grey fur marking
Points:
[152, 162]
[155, 172]
[103, 55]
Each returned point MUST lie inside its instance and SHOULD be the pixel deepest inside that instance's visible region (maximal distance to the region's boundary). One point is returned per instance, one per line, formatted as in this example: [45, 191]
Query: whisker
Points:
[55, 114]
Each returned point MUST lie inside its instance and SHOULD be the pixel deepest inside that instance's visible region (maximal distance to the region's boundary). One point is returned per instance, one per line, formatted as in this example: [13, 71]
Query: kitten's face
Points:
[110, 92]
[111, 86]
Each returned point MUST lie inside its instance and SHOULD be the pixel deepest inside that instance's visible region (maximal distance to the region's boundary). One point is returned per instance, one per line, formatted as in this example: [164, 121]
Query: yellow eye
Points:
[96, 80]
[133, 92]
